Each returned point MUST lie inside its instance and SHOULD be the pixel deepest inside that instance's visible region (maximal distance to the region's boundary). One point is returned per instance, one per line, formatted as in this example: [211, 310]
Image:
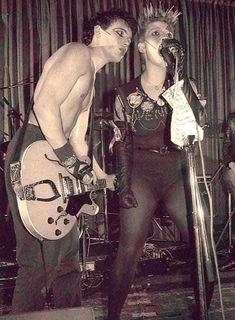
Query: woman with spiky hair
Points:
[151, 168]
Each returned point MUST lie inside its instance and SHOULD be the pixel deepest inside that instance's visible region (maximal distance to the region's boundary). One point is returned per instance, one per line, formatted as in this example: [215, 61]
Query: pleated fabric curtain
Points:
[31, 30]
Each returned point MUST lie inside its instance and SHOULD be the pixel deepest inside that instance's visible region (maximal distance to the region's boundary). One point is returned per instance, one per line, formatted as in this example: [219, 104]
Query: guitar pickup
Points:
[66, 186]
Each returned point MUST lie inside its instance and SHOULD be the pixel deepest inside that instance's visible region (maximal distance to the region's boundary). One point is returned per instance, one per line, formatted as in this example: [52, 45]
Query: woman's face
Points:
[149, 45]
[158, 30]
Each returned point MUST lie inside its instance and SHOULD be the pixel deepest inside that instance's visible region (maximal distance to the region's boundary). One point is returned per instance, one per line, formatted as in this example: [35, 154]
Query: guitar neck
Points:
[71, 186]
[83, 188]
[99, 185]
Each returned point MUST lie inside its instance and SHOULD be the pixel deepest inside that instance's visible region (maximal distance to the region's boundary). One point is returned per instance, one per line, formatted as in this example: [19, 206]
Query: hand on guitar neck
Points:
[111, 181]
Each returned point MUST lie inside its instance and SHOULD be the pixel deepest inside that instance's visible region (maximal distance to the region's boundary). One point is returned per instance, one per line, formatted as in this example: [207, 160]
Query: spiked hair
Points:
[151, 14]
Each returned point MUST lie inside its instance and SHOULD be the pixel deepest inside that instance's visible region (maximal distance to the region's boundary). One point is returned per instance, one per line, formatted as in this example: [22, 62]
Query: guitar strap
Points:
[21, 135]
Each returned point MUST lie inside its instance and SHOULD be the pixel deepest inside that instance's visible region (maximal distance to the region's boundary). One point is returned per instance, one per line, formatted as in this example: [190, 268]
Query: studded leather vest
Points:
[148, 119]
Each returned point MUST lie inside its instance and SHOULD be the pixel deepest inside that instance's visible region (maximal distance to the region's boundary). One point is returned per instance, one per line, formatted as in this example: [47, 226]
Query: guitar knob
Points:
[50, 220]
[60, 209]
[94, 195]
[66, 221]
[58, 232]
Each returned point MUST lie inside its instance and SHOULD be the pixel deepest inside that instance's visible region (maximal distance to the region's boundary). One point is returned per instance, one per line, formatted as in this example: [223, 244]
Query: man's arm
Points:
[78, 141]
[77, 136]
[60, 74]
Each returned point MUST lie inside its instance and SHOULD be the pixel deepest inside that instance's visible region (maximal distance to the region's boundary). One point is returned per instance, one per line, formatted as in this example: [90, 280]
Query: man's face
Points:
[118, 36]
[154, 34]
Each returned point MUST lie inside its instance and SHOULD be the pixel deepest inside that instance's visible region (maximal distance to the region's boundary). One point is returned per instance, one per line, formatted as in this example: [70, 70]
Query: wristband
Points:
[66, 155]
[72, 163]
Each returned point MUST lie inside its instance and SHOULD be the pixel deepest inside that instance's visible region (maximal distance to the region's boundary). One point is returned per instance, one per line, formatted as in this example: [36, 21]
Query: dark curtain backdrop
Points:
[31, 30]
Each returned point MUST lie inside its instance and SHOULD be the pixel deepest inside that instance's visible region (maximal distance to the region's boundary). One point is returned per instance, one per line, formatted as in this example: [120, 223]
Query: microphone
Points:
[170, 46]
[174, 51]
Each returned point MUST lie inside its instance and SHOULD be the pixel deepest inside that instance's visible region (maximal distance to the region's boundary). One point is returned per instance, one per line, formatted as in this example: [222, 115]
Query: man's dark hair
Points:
[105, 19]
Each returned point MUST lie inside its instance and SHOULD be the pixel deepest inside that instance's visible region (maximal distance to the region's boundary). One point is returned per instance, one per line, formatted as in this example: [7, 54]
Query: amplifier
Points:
[80, 313]
[164, 229]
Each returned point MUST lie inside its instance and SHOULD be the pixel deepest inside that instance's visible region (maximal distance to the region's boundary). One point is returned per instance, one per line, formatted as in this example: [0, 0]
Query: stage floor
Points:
[162, 289]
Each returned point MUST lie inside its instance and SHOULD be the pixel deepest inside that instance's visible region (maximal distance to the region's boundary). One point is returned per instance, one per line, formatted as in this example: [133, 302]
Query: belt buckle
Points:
[163, 150]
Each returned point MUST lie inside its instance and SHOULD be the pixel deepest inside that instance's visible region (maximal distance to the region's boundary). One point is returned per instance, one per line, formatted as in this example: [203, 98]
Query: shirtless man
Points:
[62, 101]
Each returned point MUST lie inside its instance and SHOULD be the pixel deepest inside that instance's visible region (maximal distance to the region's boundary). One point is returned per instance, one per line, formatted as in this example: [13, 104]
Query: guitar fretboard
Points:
[79, 188]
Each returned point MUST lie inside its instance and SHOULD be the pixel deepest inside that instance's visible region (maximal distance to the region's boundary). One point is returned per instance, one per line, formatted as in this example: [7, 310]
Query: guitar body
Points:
[53, 198]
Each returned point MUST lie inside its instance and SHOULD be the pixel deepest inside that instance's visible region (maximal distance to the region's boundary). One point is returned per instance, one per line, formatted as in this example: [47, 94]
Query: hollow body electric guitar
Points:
[52, 198]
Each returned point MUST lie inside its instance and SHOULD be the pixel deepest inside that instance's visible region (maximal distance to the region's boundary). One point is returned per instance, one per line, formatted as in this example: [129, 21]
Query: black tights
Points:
[154, 178]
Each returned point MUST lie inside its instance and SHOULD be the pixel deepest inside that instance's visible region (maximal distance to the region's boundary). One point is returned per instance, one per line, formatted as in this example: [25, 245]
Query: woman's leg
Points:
[134, 227]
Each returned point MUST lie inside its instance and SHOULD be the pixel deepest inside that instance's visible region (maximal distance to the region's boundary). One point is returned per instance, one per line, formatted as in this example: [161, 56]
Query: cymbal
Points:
[4, 146]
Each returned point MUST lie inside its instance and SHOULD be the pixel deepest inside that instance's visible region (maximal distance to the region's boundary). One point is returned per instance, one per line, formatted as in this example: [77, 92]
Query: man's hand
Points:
[80, 167]
[111, 181]
[88, 179]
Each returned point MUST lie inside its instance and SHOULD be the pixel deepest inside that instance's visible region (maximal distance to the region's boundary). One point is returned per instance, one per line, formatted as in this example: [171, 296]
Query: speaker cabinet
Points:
[164, 229]
[80, 313]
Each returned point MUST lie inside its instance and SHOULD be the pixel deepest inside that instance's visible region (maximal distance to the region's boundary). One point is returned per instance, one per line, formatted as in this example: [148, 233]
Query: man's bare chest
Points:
[80, 96]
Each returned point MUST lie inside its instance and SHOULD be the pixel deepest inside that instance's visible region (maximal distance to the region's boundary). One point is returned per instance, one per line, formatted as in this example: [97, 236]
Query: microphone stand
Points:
[105, 196]
[13, 115]
[203, 259]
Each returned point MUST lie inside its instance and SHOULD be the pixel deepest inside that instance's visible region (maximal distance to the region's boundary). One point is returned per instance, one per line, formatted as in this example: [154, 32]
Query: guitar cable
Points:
[47, 294]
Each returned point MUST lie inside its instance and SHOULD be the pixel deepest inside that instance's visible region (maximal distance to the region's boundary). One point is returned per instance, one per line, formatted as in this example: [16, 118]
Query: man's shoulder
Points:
[73, 51]
[77, 48]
